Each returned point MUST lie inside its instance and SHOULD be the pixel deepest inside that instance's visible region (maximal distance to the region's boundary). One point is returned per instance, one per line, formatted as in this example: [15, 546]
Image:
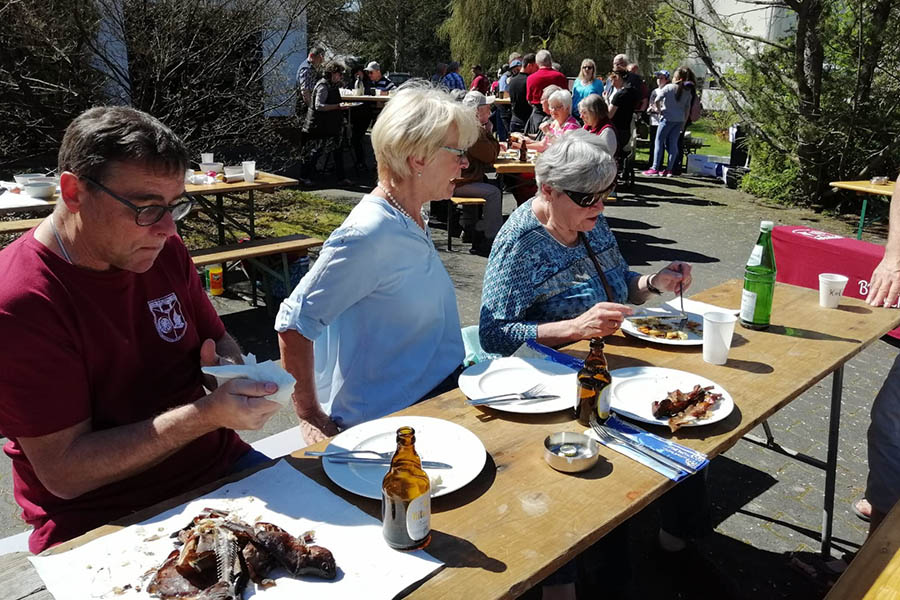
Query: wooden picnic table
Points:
[265, 182]
[364, 98]
[519, 520]
[864, 189]
[511, 165]
[874, 573]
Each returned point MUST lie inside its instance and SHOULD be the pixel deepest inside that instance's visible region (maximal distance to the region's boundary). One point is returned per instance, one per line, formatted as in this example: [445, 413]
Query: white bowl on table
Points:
[41, 189]
[22, 178]
[213, 166]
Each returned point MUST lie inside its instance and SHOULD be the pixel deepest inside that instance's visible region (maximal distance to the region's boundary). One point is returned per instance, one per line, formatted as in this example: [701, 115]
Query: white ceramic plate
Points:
[693, 339]
[634, 389]
[513, 375]
[436, 439]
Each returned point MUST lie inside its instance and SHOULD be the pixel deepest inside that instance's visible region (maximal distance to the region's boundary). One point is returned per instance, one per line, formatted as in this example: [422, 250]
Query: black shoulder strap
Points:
[593, 257]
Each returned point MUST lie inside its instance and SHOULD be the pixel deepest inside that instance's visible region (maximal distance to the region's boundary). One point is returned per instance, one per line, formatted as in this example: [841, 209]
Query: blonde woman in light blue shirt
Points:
[373, 327]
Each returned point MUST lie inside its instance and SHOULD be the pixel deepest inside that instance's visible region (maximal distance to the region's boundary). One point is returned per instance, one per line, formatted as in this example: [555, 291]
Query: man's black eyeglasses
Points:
[588, 199]
[145, 216]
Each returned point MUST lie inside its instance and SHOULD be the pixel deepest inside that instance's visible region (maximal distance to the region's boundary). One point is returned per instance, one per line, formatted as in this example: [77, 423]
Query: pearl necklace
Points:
[393, 202]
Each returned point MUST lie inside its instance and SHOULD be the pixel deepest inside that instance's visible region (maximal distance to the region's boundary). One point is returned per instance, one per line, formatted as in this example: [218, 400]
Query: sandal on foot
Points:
[862, 509]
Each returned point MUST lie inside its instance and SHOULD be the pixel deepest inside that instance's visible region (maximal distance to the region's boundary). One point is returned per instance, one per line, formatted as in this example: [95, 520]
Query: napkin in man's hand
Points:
[264, 371]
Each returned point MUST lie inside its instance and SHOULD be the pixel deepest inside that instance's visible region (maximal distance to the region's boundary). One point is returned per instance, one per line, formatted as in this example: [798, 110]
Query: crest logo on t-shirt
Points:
[168, 318]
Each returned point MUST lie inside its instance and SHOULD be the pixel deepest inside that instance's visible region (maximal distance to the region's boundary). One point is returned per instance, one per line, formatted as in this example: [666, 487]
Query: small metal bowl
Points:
[571, 452]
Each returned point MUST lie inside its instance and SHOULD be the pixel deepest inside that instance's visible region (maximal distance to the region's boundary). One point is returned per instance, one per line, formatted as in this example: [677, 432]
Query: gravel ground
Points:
[764, 504]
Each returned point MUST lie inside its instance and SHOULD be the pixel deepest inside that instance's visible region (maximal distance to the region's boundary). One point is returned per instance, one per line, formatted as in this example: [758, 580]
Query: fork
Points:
[530, 394]
[684, 317]
[607, 438]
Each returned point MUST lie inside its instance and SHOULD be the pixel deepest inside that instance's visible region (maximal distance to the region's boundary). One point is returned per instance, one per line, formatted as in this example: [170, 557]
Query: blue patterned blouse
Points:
[532, 278]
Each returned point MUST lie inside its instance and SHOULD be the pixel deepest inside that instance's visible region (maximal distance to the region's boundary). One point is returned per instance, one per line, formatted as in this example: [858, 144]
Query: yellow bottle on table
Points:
[406, 497]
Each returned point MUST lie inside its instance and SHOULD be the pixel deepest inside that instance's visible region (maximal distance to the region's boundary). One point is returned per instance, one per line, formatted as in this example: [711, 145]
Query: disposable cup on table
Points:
[831, 287]
[718, 328]
[249, 170]
[206, 157]
[188, 174]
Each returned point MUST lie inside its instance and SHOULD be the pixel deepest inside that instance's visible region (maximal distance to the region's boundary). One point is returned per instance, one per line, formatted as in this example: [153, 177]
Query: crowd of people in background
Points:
[543, 106]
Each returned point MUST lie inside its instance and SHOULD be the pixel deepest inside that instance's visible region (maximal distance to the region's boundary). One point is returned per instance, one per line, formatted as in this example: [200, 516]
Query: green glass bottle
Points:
[759, 281]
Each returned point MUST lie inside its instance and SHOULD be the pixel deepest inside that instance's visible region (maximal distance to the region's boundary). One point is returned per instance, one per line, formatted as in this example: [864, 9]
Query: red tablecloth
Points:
[801, 253]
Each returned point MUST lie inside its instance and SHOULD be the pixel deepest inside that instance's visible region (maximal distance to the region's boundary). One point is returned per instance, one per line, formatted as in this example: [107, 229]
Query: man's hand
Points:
[884, 289]
[315, 425]
[209, 357]
[239, 404]
[600, 320]
[669, 278]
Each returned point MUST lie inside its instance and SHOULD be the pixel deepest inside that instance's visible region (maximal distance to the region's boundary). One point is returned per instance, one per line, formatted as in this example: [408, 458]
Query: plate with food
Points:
[668, 397]
[661, 326]
[513, 375]
[436, 440]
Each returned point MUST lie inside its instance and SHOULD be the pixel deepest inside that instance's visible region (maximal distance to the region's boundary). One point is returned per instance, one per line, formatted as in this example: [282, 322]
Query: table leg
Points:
[862, 217]
[220, 221]
[252, 227]
[834, 425]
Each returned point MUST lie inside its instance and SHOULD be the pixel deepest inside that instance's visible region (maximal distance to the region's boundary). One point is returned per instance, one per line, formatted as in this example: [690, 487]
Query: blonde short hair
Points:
[415, 123]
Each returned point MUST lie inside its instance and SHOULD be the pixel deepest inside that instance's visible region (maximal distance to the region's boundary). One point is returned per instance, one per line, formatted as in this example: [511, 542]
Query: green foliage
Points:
[772, 175]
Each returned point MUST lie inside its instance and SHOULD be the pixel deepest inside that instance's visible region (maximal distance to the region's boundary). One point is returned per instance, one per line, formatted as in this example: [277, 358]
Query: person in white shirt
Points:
[374, 327]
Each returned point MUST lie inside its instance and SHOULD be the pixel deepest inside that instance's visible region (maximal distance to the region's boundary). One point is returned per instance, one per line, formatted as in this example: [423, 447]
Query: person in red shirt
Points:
[106, 326]
[544, 76]
[480, 83]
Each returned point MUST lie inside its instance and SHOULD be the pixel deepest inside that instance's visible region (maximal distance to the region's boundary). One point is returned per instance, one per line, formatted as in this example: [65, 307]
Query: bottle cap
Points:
[766, 225]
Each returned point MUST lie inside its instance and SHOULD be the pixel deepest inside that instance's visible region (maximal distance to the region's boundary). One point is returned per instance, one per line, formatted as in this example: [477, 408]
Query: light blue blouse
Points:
[580, 91]
[532, 278]
[381, 311]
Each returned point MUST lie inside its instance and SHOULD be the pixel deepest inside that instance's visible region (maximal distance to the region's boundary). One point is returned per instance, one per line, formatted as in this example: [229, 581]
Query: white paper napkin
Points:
[699, 308]
[264, 371]
[367, 567]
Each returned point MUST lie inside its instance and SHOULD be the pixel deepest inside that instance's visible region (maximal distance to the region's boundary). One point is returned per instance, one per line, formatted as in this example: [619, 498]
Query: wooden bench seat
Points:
[20, 226]
[455, 202]
[265, 247]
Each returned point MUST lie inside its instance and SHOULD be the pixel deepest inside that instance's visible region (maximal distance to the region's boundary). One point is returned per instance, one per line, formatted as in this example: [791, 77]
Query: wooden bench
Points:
[253, 250]
[20, 226]
[452, 215]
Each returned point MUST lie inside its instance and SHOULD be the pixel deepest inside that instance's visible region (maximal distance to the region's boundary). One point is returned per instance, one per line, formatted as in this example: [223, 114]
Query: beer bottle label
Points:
[748, 305]
[418, 517]
[755, 256]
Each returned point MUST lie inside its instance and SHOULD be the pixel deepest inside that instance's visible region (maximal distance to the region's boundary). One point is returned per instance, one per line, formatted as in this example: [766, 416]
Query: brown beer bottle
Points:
[523, 151]
[406, 497]
[592, 379]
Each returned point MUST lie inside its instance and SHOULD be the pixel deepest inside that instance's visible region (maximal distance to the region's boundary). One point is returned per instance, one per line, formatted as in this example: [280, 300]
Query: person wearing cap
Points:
[515, 65]
[453, 80]
[379, 81]
[472, 182]
[663, 78]
[479, 81]
[518, 95]
[585, 84]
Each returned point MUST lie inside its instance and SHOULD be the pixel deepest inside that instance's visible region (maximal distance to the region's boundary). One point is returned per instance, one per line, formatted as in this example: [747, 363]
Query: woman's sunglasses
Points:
[588, 199]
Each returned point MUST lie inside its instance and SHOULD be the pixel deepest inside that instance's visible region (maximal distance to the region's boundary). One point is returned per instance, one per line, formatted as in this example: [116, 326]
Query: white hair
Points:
[577, 161]
[621, 59]
[415, 123]
[549, 91]
[561, 97]
[543, 58]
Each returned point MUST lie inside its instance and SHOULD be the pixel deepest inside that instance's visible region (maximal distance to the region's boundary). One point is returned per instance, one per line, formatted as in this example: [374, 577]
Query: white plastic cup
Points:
[188, 174]
[249, 170]
[831, 287]
[206, 157]
[718, 328]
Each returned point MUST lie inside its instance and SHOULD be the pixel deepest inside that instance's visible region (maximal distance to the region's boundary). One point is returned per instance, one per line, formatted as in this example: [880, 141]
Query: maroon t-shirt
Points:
[115, 347]
[537, 81]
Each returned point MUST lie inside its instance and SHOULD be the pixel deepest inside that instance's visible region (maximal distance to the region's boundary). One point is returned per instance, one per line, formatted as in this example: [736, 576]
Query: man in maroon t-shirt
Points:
[105, 327]
[544, 76]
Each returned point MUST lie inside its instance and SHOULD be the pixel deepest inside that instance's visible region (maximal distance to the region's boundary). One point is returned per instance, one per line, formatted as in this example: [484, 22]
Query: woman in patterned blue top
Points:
[541, 282]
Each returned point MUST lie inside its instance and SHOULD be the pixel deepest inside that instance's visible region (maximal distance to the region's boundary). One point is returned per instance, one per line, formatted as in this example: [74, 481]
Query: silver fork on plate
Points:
[684, 317]
[533, 393]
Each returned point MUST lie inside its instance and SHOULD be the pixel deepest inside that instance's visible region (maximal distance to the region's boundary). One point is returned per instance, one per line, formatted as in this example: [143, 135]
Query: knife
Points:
[510, 398]
[648, 452]
[427, 464]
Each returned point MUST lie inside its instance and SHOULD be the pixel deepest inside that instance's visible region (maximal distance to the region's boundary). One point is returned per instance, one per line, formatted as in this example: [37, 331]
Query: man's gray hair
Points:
[317, 51]
[621, 59]
[577, 161]
[514, 56]
[543, 58]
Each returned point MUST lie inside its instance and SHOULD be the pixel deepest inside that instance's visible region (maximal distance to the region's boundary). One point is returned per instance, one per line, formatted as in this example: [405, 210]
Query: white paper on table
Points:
[699, 308]
[264, 371]
[367, 567]
[20, 200]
